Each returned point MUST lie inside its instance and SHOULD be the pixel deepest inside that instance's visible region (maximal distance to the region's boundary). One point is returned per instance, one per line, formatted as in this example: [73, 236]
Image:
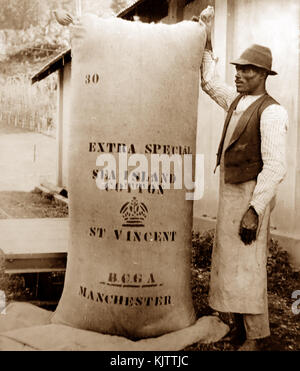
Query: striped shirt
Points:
[273, 128]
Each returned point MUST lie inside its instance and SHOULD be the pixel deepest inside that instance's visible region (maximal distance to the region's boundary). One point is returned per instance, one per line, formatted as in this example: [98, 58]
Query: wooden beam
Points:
[59, 129]
[52, 66]
[36, 264]
[180, 10]
[39, 246]
[297, 188]
[78, 8]
[230, 41]
[176, 10]
[123, 13]
[220, 36]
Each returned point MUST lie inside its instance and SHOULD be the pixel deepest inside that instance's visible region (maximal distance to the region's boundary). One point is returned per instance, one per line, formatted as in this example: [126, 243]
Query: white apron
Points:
[238, 282]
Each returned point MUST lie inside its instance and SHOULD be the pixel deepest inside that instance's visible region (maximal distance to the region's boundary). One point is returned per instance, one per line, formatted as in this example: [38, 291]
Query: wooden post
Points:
[220, 35]
[59, 129]
[176, 10]
[297, 180]
[38, 122]
[78, 8]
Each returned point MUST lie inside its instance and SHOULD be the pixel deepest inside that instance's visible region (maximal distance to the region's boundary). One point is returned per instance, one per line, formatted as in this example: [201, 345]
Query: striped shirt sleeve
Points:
[273, 128]
[212, 84]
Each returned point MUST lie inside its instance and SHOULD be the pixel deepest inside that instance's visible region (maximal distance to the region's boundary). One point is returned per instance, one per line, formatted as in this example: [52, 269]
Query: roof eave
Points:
[52, 66]
[124, 12]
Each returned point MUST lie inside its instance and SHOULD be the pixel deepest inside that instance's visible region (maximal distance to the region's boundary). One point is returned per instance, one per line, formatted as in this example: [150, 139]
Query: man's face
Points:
[249, 79]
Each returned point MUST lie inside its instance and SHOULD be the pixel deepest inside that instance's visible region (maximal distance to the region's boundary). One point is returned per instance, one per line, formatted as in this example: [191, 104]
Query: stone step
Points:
[34, 245]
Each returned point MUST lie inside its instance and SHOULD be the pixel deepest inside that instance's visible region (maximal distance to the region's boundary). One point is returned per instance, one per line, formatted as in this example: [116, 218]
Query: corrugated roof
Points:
[125, 11]
[53, 65]
[65, 57]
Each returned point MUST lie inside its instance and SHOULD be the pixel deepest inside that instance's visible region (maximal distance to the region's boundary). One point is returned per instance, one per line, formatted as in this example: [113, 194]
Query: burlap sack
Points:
[20, 315]
[134, 89]
[64, 338]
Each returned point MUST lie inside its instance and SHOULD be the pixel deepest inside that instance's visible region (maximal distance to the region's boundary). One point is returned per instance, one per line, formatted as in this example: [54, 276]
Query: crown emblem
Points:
[134, 213]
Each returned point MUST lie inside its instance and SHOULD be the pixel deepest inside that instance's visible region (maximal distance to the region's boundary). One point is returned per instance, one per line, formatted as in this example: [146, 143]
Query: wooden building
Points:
[238, 24]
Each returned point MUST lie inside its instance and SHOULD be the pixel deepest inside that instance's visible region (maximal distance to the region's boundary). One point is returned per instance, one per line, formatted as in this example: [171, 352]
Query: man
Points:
[252, 163]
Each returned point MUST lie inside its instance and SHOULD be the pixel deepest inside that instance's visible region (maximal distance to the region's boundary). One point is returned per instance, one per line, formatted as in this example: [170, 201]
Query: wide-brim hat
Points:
[256, 55]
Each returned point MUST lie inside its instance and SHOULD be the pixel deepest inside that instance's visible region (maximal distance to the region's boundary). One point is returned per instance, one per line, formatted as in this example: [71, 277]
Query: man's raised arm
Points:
[211, 83]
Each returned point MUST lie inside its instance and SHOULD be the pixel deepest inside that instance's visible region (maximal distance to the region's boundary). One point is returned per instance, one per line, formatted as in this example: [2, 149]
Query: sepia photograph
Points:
[150, 178]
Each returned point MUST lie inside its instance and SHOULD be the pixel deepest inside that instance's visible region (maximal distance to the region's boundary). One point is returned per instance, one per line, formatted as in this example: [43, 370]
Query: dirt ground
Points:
[26, 159]
[33, 204]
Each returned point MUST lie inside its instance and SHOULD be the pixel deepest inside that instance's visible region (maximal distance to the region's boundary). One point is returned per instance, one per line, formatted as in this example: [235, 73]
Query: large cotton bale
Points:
[134, 89]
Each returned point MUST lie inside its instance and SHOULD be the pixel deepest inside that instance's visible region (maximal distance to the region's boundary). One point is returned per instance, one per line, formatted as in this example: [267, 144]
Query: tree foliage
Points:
[22, 14]
[28, 28]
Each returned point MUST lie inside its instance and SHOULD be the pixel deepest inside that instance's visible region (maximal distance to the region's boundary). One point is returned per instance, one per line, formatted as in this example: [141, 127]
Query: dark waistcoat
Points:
[242, 158]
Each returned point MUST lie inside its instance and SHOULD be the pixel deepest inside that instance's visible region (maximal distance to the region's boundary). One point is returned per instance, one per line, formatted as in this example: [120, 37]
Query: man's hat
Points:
[257, 55]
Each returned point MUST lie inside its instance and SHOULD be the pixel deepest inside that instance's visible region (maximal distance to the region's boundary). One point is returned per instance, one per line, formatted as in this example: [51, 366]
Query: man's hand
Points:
[248, 226]
[64, 18]
[207, 17]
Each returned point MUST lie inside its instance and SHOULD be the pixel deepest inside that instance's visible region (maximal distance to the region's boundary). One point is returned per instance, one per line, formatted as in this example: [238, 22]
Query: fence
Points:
[32, 107]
